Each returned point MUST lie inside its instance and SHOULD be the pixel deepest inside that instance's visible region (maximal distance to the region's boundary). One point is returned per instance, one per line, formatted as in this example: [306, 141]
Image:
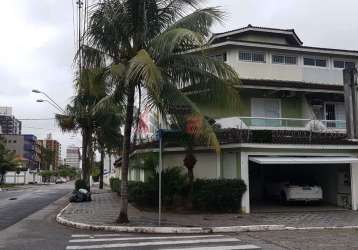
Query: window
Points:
[245, 56]
[252, 56]
[350, 65]
[309, 61]
[220, 57]
[263, 109]
[340, 64]
[321, 63]
[291, 60]
[278, 59]
[335, 112]
[258, 57]
[281, 59]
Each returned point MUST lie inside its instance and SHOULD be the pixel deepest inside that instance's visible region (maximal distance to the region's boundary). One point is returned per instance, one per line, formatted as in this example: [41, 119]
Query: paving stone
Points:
[104, 209]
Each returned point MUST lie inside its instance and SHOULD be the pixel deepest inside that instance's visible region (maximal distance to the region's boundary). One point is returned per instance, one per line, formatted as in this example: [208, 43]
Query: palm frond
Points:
[142, 68]
[201, 20]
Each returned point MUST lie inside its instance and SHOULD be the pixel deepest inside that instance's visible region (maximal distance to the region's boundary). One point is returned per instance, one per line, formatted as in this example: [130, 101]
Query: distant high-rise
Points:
[24, 146]
[55, 147]
[73, 156]
[8, 123]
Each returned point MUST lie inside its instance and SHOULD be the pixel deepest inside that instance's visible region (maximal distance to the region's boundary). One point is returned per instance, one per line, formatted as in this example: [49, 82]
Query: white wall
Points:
[229, 165]
[206, 166]
[354, 185]
[269, 71]
[24, 177]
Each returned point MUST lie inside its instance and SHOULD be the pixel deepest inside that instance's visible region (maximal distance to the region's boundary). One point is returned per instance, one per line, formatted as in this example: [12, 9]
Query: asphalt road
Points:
[18, 204]
[39, 231]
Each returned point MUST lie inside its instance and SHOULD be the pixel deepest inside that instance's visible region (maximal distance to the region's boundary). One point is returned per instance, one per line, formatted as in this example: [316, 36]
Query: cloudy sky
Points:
[37, 46]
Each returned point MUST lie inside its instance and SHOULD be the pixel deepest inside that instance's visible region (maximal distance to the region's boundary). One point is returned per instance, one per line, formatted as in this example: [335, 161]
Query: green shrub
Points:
[222, 195]
[115, 184]
[80, 184]
[143, 194]
[174, 183]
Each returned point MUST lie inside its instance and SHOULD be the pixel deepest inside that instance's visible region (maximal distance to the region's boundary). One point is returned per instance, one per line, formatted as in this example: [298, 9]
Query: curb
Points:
[187, 230]
[166, 230]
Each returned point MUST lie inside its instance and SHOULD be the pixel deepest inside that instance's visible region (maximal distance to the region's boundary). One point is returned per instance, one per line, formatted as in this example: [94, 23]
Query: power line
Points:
[73, 24]
[35, 119]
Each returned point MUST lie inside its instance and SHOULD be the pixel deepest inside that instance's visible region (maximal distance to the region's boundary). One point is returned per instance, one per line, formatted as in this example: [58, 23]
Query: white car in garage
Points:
[288, 191]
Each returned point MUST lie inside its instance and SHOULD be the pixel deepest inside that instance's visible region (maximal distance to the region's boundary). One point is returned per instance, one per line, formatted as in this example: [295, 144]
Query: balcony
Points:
[263, 130]
[288, 124]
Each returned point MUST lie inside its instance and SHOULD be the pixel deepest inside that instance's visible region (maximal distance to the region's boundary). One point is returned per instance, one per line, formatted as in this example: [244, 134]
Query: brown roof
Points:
[263, 29]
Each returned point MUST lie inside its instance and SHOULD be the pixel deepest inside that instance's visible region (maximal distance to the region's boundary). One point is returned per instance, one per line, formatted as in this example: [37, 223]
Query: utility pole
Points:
[79, 3]
[351, 102]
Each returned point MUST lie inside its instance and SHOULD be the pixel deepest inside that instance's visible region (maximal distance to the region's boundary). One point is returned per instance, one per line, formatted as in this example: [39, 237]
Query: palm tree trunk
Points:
[101, 169]
[123, 214]
[86, 140]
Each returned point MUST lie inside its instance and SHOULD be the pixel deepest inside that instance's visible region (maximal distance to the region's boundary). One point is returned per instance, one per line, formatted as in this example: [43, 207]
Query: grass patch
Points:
[7, 185]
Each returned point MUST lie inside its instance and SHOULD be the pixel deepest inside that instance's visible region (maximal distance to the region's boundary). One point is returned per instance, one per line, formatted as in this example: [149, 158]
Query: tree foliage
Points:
[159, 46]
[8, 161]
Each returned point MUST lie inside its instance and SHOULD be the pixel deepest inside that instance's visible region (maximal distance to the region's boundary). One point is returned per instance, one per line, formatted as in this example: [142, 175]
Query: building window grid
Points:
[250, 56]
[315, 62]
[341, 64]
[284, 59]
[222, 57]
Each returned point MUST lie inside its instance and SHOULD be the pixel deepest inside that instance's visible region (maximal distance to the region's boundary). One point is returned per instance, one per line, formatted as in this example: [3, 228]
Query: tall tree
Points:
[8, 161]
[108, 135]
[159, 46]
[82, 114]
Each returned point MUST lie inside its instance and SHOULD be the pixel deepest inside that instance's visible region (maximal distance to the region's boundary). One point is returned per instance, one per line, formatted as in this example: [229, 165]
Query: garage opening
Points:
[299, 184]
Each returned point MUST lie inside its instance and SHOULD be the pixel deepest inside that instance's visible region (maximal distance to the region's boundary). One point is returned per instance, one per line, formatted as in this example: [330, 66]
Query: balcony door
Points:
[335, 112]
[262, 109]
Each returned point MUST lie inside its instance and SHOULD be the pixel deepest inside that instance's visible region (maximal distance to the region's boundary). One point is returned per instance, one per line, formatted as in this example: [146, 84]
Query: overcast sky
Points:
[37, 46]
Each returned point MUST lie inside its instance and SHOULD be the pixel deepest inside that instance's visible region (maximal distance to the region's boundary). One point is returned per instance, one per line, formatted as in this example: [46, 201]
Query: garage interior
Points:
[334, 179]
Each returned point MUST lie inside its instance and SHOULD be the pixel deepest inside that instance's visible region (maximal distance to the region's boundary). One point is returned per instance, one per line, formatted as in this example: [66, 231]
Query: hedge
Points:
[145, 194]
[223, 195]
[115, 184]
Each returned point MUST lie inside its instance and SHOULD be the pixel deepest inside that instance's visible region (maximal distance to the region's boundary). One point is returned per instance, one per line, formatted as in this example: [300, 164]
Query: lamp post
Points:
[52, 102]
[42, 100]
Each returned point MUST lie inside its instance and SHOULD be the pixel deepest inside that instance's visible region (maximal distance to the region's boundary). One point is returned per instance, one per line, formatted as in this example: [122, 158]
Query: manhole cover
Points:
[13, 198]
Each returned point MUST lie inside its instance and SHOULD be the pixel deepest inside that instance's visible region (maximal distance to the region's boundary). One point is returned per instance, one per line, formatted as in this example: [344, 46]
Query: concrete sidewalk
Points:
[104, 209]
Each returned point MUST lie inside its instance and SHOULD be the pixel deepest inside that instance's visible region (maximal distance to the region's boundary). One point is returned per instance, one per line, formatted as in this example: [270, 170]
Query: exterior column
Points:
[245, 203]
[354, 185]
[218, 165]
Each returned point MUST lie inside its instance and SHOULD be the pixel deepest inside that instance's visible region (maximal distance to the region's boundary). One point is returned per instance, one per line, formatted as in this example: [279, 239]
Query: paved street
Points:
[40, 231]
[163, 242]
[18, 204]
[304, 240]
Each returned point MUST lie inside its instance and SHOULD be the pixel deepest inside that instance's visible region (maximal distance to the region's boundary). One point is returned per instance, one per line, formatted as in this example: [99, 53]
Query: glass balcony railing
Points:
[282, 124]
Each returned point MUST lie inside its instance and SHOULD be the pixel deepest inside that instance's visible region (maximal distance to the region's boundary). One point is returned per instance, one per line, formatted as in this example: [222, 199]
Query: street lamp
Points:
[52, 102]
[42, 100]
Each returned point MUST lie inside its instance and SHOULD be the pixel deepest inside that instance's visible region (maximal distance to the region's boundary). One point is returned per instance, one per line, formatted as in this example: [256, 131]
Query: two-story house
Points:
[291, 120]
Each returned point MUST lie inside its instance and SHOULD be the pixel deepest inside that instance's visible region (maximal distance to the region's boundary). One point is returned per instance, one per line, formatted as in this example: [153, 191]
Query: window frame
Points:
[279, 100]
[335, 109]
[315, 58]
[344, 61]
[284, 59]
[252, 56]
[223, 55]
[271, 99]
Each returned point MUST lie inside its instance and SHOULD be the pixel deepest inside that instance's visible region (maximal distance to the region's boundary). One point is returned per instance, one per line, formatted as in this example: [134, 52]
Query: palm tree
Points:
[108, 135]
[158, 46]
[82, 114]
